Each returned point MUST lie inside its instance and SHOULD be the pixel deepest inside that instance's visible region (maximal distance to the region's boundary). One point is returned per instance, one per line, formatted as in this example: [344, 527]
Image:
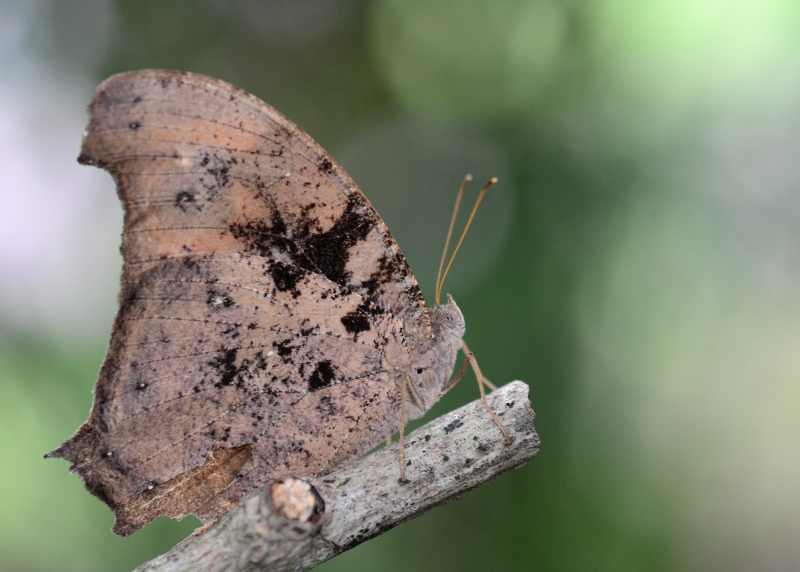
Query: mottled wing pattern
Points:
[259, 291]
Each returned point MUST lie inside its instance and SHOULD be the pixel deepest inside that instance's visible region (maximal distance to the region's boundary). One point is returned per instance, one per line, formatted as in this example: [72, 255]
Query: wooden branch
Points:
[298, 523]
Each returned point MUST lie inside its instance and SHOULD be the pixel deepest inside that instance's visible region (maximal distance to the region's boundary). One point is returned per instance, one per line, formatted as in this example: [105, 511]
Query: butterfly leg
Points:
[484, 383]
[457, 377]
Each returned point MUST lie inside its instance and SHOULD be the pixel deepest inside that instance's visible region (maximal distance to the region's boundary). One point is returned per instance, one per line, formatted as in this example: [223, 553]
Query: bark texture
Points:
[296, 524]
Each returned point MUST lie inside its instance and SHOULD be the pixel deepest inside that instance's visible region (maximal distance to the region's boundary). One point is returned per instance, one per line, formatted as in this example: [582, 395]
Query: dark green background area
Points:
[636, 265]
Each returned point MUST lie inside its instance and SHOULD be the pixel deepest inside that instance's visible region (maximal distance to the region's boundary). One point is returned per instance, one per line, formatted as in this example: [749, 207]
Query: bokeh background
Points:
[638, 264]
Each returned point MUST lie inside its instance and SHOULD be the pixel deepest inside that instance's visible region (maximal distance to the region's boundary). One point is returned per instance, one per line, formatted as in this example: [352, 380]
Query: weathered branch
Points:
[296, 524]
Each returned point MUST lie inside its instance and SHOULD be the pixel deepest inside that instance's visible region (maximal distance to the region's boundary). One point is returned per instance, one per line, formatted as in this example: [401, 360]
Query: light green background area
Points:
[637, 265]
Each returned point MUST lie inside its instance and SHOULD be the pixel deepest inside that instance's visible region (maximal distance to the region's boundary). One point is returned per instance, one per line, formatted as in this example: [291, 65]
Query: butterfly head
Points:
[448, 321]
[430, 378]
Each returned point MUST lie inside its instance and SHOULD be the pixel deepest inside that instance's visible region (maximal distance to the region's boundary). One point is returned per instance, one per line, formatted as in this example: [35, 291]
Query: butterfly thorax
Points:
[434, 340]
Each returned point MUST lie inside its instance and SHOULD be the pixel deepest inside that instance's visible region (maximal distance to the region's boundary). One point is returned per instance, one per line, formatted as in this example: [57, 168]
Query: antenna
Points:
[441, 275]
[456, 207]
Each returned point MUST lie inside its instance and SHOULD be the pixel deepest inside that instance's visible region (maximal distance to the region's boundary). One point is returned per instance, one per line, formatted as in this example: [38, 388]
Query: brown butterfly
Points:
[269, 324]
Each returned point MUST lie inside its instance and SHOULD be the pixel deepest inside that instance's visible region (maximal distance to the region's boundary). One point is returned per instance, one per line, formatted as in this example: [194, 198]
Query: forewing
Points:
[259, 290]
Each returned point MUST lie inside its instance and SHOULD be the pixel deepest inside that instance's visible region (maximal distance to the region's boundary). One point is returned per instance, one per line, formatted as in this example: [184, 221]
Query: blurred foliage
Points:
[636, 265]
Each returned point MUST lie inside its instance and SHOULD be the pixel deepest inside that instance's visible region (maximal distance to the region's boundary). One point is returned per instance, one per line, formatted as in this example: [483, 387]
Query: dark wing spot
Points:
[328, 252]
[321, 377]
[219, 168]
[324, 253]
[225, 365]
[355, 322]
[183, 199]
[284, 350]
[359, 319]
[286, 277]
[217, 300]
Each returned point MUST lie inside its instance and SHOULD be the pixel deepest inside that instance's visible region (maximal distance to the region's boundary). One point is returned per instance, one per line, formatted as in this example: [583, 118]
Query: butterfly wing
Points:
[259, 291]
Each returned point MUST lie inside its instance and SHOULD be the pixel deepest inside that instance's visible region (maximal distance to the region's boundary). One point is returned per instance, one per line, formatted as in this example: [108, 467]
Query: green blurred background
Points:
[638, 264]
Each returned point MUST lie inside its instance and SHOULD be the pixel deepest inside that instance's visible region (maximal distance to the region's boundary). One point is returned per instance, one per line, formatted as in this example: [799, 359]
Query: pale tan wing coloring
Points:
[259, 289]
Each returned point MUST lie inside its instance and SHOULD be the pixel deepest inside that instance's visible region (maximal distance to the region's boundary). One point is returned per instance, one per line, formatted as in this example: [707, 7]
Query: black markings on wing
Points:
[228, 343]
[186, 200]
[322, 252]
[322, 376]
[240, 307]
[237, 408]
[163, 117]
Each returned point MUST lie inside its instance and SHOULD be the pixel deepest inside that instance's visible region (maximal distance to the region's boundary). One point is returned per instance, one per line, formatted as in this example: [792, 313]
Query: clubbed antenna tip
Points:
[444, 270]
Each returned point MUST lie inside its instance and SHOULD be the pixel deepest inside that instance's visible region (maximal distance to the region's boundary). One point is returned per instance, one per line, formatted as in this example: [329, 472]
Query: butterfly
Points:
[268, 325]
